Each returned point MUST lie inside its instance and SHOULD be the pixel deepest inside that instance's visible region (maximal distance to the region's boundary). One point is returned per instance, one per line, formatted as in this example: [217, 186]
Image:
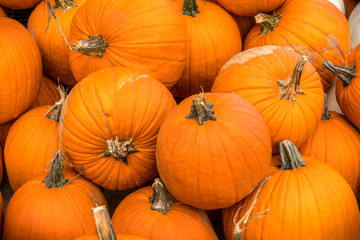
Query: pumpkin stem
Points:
[94, 46]
[290, 87]
[104, 227]
[290, 156]
[54, 112]
[55, 177]
[160, 199]
[345, 73]
[190, 8]
[119, 150]
[201, 110]
[268, 22]
[64, 5]
[325, 115]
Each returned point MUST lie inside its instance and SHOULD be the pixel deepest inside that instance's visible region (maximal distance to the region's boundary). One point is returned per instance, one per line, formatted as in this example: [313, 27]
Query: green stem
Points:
[160, 199]
[190, 8]
[268, 22]
[290, 156]
[55, 177]
[325, 115]
[344, 73]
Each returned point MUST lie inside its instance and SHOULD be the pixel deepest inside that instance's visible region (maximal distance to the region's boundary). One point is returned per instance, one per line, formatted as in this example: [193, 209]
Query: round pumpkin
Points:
[20, 69]
[283, 87]
[19, 4]
[148, 36]
[314, 28]
[48, 94]
[212, 150]
[305, 199]
[109, 125]
[151, 213]
[250, 8]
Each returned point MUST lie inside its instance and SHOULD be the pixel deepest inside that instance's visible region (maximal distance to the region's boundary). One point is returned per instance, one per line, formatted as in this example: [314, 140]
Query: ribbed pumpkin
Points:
[48, 94]
[109, 125]
[20, 69]
[53, 49]
[306, 199]
[149, 36]
[314, 28]
[212, 150]
[19, 4]
[250, 8]
[55, 208]
[283, 87]
[151, 213]
[214, 38]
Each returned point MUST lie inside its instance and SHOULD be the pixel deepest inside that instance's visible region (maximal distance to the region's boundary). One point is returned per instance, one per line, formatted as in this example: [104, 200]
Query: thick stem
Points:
[190, 8]
[55, 177]
[54, 112]
[160, 199]
[290, 156]
[103, 223]
[94, 46]
[268, 22]
[120, 150]
[201, 110]
[325, 115]
[345, 73]
[290, 87]
[64, 5]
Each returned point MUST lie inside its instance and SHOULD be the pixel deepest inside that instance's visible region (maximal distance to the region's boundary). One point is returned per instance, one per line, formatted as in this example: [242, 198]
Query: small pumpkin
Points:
[247, 8]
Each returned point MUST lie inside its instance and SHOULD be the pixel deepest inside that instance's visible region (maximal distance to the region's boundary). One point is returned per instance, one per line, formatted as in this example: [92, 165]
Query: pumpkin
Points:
[354, 27]
[305, 199]
[244, 24]
[250, 8]
[212, 150]
[109, 125]
[213, 39]
[48, 94]
[347, 85]
[148, 36]
[4, 130]
[20, 69]
[2, 12]
[1, 166]
[53, 49]
[19, 4]
[314, 28]
[283, 87]
[55, 207]
[150, 212]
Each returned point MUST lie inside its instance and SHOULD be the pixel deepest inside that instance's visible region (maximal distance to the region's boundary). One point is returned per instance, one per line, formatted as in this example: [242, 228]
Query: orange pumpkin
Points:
[109, 125]
[214, 38]
[283, 87]
[19, 4]
[149, 36]
[314, 28]
[245, 24]
[20, 69]
[53, 49]
[212, 157]
[48, 94]
[151, 213]
[2, 12]
[305, 199]
[250, 8]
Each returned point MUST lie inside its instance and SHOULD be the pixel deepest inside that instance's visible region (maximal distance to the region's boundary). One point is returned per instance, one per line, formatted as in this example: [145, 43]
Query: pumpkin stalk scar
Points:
[160, 199]
[190, 8]
[240, 226]
[290, 156]
[201, 110]
[55, 177]
[104, 227]
[64, 5]
[54, 112]
[268, 22]
[290, 87]
[345, 73]
[119, 150]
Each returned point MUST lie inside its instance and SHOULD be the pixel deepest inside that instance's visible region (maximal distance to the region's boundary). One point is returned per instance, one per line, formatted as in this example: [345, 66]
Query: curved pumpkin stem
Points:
[120, 150]
[290, 156]
[54, 112]
[160, 199]
[64, 5]
[201, 110]
[55, 177]
[290, 87]
[190, 8]
[104, 227]
[268, 22]
[345, 73]
[325, 115]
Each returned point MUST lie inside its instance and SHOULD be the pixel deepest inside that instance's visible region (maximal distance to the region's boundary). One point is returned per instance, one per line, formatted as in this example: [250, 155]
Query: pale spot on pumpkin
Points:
[132, 79]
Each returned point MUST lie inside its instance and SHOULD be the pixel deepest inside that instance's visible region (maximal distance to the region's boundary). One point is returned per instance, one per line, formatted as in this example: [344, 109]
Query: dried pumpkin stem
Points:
[64, 5]
[120, 150]
[290, 87]
[268, 22]
[104, 227]
[160, 199]
[54, 112]
[345, 73]
[290, 156]
[55, 177]
[190, 8]
[325, 115]
[201, 110]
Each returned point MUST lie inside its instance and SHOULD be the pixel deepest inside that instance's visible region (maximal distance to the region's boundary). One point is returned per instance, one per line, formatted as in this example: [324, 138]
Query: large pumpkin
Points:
[314, 28]
[149, 36]
[305, 199]
[151, 213]
[20, 69]
[250, 8]
[212, 150]
[109, 125]
[283, 87]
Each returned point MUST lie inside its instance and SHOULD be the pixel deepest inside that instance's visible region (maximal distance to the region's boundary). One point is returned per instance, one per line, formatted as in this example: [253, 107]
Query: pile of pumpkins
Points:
[203, 106]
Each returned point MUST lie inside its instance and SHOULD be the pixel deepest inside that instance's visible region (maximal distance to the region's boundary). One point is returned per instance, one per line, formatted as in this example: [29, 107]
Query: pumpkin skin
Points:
[2, 12]
[250, 8]
[110, 103]
[149, 36]
[118, 237]
[216, 164]
[300, 28]
[254, 75]
[48, 94]
[292, 200]
[214, 38]
[19, 4]
[4, 130]
[54, 51]
[245, 24]
[20, 69]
